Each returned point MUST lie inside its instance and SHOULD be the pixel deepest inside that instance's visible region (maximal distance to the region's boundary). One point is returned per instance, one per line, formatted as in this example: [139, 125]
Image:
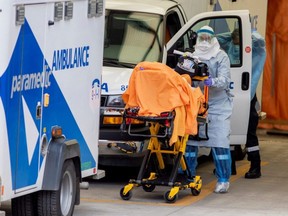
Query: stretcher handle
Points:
[206, 93]
[177, 52]
[189, 54]
[166, 134]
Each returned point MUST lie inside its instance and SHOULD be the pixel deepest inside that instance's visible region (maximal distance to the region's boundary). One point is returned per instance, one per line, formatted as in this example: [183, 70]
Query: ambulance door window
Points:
[185, 43]
[228, 32]
[172, 25]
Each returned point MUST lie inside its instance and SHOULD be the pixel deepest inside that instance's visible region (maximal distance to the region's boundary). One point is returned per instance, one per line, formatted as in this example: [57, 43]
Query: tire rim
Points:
[66, 193]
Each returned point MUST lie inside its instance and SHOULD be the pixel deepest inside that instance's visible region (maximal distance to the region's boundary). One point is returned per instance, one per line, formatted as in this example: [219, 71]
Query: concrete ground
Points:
[266, 196]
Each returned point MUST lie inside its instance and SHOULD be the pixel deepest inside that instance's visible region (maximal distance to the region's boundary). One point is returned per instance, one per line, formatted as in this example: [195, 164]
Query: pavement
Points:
[265, 196]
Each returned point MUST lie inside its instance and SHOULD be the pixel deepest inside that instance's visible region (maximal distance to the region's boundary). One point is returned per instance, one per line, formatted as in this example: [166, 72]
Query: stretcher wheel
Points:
[195, 192]
[126, 196]
[148, 187]
[170, 199]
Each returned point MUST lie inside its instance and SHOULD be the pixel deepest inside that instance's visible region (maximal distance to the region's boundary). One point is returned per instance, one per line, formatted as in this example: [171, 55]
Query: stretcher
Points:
[162, 160]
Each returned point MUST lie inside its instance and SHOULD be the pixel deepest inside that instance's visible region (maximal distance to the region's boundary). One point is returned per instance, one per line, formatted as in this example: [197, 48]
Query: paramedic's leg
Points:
[233, 160]
[252, 144]
[222, 161]
[191, 158]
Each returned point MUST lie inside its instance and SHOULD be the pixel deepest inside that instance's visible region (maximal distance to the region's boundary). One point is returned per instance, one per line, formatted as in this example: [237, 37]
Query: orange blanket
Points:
[155, 88]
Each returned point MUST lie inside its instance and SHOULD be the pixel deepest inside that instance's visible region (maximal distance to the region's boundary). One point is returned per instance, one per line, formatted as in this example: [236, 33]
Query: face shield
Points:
[204, 37]
[207, 45]
[205, 34]
[204, 41]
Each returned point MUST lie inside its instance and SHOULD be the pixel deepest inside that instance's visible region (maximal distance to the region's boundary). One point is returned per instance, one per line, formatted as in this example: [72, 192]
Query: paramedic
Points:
[220, 103]
[252, 144]
[258, 60]
[234, 47]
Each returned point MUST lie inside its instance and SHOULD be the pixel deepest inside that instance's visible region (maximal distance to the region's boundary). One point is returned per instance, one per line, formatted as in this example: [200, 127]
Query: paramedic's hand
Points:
[208, 82]
[188, 54]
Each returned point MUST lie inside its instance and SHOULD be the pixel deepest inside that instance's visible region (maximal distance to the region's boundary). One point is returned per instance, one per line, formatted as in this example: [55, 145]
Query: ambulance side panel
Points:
[50, 75]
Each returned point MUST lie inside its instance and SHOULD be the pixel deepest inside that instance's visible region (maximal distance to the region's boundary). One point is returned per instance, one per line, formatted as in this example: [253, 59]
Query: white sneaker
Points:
[222, 187]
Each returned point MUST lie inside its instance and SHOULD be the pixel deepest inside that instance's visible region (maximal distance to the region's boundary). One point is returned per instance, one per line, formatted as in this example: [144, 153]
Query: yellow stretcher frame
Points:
[155, 147]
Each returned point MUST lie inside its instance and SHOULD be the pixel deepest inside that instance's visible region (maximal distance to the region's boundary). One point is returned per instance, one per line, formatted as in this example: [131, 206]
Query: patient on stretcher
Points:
[155, 88]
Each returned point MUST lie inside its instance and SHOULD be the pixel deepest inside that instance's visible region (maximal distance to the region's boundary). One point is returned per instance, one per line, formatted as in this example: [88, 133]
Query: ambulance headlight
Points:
[115, 101]
[112, 113]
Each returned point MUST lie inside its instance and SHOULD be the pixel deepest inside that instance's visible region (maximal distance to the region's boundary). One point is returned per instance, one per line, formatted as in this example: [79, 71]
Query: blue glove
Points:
[208, 82]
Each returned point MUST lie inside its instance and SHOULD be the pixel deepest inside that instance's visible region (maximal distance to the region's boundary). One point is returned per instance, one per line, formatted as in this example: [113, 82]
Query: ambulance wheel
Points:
[148, 187]
[169, 199]
[195, 192]
[24, 205]
[60, 202]
[126, 196]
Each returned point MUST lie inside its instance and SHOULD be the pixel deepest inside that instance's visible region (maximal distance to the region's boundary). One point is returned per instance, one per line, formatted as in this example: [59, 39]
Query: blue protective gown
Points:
[258, 55]
[258, 60]
[220, 104]
[219, 116]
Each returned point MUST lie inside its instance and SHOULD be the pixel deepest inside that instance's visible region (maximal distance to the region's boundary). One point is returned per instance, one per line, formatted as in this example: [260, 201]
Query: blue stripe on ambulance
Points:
[27, 58]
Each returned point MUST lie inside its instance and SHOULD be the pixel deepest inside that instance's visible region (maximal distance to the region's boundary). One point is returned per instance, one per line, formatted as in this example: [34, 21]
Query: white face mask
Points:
[203, 45]
[205, 50]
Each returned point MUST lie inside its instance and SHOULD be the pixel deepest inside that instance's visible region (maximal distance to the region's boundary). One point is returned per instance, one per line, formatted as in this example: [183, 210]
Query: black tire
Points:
[195, 192]
[148, 187]
[62, 201]
[168, 199]
[24, 205]
[126, 196]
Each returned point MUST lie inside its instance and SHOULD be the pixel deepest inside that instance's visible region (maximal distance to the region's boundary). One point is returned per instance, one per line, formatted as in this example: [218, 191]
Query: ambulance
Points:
[151, 30]
[50, 75]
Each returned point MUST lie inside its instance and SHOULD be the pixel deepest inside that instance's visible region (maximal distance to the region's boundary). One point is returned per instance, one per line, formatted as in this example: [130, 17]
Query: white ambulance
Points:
[50, 74]
[151, 30]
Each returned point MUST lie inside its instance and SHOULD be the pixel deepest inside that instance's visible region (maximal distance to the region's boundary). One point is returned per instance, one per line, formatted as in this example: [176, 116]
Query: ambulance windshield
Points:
[132, 37]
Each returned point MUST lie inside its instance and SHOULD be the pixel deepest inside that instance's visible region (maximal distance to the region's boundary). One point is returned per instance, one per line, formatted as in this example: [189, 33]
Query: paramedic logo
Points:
[95, 91]
[95, 95]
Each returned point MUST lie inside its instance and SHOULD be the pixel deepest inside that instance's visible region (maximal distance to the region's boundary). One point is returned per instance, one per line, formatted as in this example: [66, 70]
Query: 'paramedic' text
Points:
[30, 81]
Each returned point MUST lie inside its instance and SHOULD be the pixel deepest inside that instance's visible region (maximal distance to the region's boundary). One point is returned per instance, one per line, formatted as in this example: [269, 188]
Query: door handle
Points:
[245, 81]
[38, 110]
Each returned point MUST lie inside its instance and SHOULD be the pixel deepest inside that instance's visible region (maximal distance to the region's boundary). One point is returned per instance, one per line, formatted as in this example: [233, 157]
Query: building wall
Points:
[193, 7]
[256, 7]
